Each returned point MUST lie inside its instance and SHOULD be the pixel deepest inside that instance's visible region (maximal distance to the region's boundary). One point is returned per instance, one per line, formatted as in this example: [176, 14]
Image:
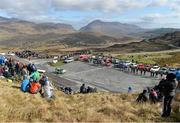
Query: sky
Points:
[78, 13]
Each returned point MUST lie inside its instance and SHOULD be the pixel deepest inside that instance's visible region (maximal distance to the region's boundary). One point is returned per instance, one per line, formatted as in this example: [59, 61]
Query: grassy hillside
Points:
[168, 41]
[167, 58]
[18, 106]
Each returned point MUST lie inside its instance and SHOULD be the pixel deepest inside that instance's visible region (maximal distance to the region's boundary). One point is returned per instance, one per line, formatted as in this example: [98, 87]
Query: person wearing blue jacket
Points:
[25, 85]
[178, 76]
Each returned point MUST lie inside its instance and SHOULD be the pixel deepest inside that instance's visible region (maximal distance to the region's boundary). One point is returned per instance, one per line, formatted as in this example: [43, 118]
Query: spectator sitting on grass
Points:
[35, 87]
[25, 85]
[47, 90]
[83, 89]
[143, 97]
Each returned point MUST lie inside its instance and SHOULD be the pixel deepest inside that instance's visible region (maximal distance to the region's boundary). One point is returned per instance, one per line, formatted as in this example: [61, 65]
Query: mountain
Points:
[11, 27]
[152, 33]
[15, 32]
[166, 42]
[73, 39]
[114, 29]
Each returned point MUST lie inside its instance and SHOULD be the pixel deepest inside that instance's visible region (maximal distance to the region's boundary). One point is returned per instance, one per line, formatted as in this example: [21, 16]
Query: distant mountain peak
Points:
[114, 29]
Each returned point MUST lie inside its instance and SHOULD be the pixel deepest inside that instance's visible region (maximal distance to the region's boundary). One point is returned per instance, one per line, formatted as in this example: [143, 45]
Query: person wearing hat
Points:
[168, 89]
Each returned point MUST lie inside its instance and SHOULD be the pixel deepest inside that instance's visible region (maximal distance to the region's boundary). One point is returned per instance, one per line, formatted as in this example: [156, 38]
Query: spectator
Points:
[48, 90]
[35, 75]
[24, 72]
[153, 96]
[143, 97]
[91, 90]
[35, 87]
[178, 77]
[167, 87]
[83, 89]
[129, 89]
[25, 85]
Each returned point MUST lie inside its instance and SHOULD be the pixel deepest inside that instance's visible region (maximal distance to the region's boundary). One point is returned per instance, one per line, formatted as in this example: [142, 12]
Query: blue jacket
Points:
[25, 85]
[178, 75]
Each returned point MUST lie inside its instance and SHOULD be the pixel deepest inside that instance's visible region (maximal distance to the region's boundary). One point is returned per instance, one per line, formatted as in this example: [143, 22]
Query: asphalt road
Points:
[57, 80]
[104, 78]
[109, 79]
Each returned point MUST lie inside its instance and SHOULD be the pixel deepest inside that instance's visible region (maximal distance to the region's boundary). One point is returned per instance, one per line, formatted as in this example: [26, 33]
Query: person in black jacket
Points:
[168, 88]
[143, 97]
[83, 89]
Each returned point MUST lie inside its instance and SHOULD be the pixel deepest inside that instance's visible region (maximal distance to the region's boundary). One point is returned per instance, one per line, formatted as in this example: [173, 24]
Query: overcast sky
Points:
[145, 13]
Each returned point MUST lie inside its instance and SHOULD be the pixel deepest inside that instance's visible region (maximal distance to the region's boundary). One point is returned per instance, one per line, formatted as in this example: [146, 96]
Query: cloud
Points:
[96, 5]
[157, 3]
[18, 7]
[153, 17]
[55, 10]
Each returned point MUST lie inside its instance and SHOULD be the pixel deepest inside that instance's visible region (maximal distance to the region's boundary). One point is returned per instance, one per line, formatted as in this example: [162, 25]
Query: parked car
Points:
[84, 57]
[11, 54]
[68, 60]
[41, 71]
[127, 63]
[141, 66]
[60, 71]
[133, 65]
[172, 70]
[155, 69]
[115, 61]
[163, 70]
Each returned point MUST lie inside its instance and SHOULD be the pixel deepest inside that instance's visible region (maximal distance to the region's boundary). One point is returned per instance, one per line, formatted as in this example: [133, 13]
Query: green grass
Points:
[59, 63]
[173, 60]
[170, 59]
[137, 58]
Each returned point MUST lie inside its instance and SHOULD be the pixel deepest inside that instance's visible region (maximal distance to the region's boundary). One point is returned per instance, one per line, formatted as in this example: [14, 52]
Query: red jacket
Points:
[34, 86]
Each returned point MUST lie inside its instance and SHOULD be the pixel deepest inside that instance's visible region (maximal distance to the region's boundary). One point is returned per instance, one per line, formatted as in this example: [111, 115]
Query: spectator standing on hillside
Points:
[24, 72]
[167, 87]
[178, 77]
[153, 97]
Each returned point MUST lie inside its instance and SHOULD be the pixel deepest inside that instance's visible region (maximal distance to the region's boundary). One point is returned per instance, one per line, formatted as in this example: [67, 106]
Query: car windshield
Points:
[172, 69]
[155, 67]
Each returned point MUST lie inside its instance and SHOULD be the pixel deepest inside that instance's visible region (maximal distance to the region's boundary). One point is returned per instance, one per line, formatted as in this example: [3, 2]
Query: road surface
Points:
[104, 78]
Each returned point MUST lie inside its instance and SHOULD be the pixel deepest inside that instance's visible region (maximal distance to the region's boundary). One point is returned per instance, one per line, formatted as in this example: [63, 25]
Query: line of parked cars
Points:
[149, 68]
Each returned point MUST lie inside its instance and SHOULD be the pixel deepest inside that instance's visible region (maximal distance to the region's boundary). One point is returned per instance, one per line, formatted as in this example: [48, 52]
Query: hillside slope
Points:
[73, 39]
[10, 27]
[19, 106]
[166, 42]
[114, 29]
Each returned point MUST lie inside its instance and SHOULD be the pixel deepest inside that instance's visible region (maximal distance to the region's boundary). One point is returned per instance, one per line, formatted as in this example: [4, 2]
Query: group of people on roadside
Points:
[165, 91]
[88, 89]
[31, 80]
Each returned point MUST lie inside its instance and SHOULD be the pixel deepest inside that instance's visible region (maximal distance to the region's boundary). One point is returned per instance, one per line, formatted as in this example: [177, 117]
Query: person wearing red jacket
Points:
[35, 87]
